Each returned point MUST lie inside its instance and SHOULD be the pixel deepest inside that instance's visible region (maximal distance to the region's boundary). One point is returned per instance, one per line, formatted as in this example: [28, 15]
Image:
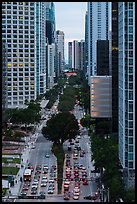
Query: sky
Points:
[70, 18]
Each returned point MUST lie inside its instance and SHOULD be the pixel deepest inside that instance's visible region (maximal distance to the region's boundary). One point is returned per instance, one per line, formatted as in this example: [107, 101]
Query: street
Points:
[40, 155]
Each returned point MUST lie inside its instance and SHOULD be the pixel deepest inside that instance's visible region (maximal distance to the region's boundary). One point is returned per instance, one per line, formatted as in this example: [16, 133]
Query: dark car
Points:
[42, 195]
[22, 195]
[69, 148]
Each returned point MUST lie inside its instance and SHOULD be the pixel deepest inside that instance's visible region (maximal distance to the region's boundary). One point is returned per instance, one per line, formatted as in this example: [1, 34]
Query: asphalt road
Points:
[43, 146]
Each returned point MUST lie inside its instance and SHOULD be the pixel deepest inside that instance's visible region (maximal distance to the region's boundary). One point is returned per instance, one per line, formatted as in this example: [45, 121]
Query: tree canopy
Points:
[61, 127]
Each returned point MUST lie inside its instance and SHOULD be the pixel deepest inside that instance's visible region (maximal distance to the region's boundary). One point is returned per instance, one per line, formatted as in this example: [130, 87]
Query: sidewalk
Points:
[17, 185]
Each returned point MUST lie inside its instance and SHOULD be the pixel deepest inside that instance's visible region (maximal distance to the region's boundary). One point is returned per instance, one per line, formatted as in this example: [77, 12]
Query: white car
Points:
[47, 156]
[51, 180]
[75, 197]
[34, 185]
[35, 181]
[76, 193]
[76, 189]
[78, 137]
[43, 184]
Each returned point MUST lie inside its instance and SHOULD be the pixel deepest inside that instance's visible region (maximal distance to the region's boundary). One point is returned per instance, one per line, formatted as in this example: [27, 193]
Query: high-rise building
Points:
[23, 29]
[98, 25]
[101, 91]
[60, 52]
[50, 22]
[81, 54]
[86, 46]
[70, 54]
[51, 65]
[102, 57]
[126, 77]
[114, 65]
[4, 82]
[75, 55]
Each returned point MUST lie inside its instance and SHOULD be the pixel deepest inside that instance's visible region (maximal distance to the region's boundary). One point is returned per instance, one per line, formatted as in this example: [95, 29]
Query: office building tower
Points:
[126, 77]
[75, 55]
[70, 54]
[50, 22]
[60, 52]
[23, 29]
[4, 82]
[98, 25]
[101, 91]
[41, 46]
[51, 65]
[102, 57]
[114, 65]
[81, 54]
[86, 46]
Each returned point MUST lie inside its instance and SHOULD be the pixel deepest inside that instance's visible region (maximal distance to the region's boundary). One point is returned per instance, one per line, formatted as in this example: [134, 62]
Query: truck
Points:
[27, 175]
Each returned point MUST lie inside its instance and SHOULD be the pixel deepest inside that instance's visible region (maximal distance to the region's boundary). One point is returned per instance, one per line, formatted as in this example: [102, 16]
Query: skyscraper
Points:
[50, 22]
[126, 73]
[4, 82]
[23, 29]
[86, 45]
[75, 55]
[102, 57]
[51, 65]
[114, 66]
[98, 25]
[60, 52]
[81, 54]
[70, 54]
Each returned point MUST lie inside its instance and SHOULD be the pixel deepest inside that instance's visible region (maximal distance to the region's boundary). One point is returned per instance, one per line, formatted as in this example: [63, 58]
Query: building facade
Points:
[98, 25]
[70, 54]
[81, 54]
[86, 46]
[51, 65]
[60, 52]
[114, 66]
[102, 57]
[75, 55]
[126, 77]
[23, 29]
[100, 92]
[4, 82]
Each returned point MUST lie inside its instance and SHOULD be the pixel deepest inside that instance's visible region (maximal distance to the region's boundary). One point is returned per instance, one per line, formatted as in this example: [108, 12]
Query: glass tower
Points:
[126, 44]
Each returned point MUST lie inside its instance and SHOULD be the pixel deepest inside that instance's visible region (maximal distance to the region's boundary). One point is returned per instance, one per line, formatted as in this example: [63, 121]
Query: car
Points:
[43, 184]
[67, 156]
[34, 185]
[51, 180]
[25, 187]
[33, 191]
[69, 148]
[50, 191]
[78, 137]
[47, 155]
[51, 185]
[35, 181]
[66, 196]
[45, 166]
[23, 195]
[92, 197]
[42, 195]
[76, 189]
[75, 197]
[85, 182]
[76, 193]
[75, 156]
[33, 147]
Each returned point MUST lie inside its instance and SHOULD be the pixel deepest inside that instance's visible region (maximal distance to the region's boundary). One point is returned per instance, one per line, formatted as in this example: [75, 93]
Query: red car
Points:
[85, 182]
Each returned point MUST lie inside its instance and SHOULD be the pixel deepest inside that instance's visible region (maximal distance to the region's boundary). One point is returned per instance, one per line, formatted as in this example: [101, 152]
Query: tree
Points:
[61, 127]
